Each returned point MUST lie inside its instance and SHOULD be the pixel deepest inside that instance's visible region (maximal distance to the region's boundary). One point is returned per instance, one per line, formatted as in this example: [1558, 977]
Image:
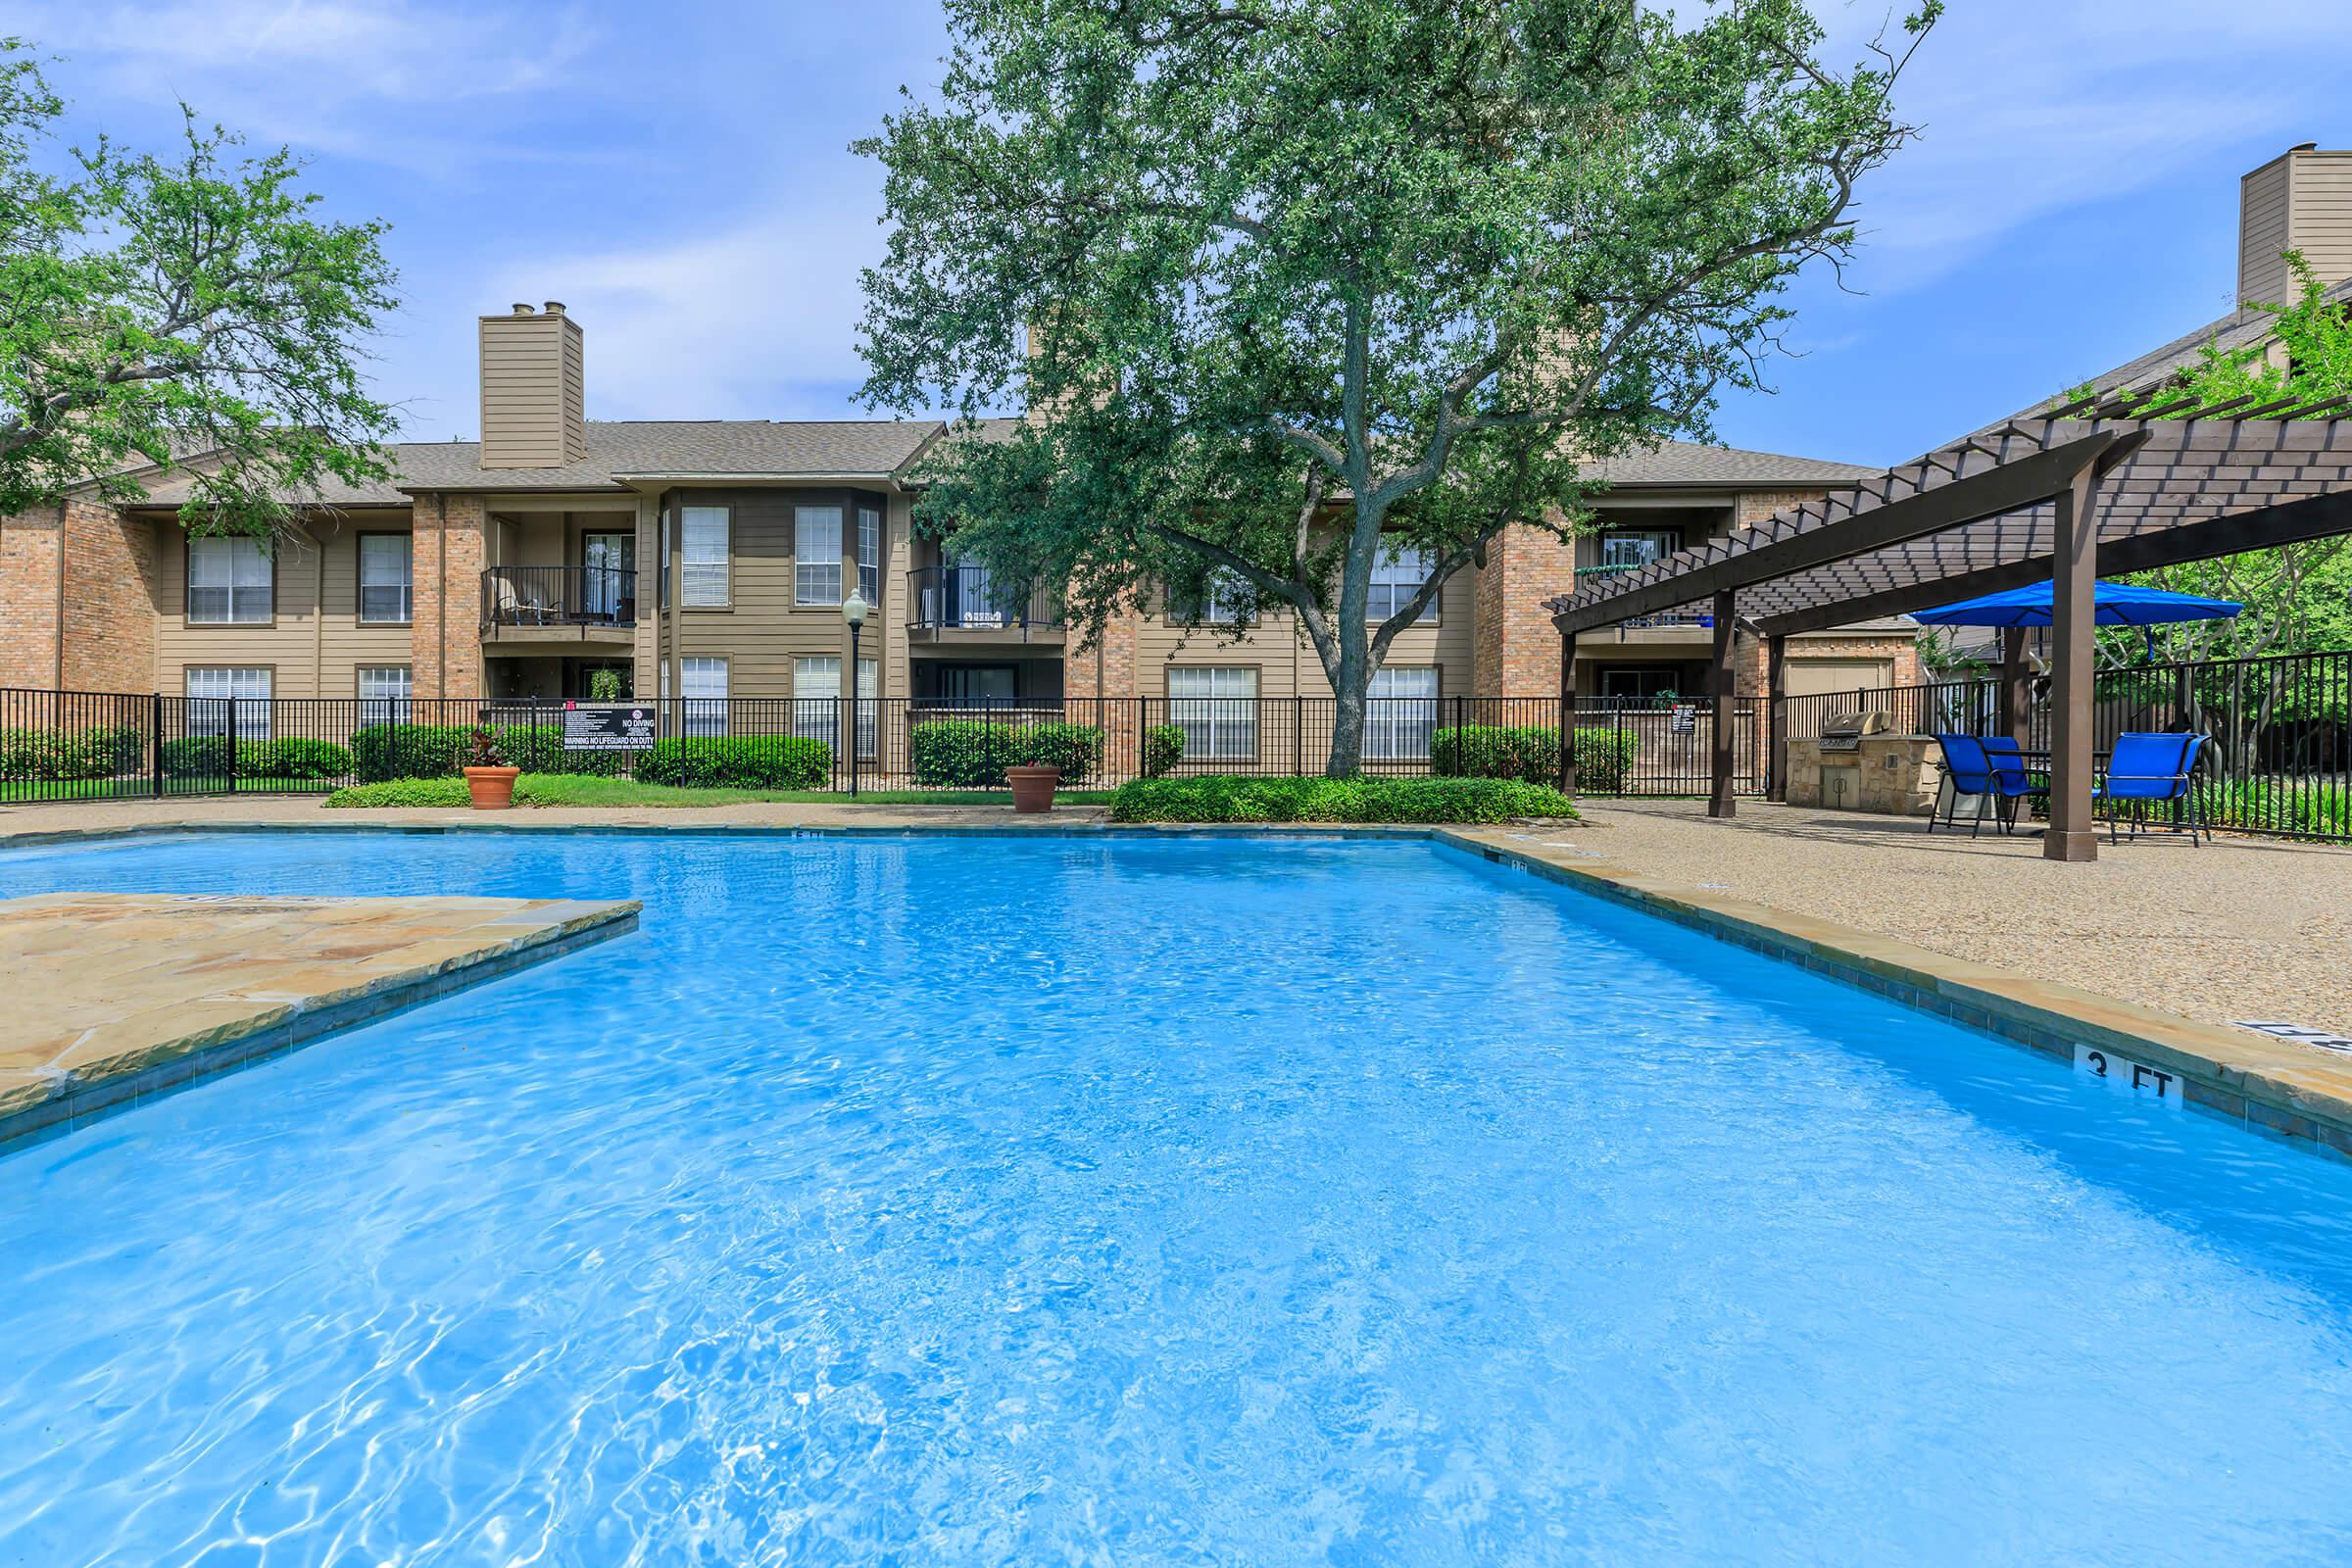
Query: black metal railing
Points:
[970, 599]
[1669, 617]
[559, 596]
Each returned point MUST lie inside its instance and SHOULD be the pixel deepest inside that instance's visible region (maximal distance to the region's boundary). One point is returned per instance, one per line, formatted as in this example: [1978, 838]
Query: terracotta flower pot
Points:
[492, 788]
[1033, 787]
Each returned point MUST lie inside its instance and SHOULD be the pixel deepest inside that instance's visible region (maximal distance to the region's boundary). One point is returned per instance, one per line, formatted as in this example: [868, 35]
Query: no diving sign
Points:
[608, 726]
[2125, 1076]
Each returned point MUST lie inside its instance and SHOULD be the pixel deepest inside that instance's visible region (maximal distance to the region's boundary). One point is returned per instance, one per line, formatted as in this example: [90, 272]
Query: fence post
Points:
[232, 745]
[1298, 734]
[154, 735]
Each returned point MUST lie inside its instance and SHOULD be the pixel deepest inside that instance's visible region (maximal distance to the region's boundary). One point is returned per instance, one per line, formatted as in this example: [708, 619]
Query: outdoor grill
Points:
[1843, 732]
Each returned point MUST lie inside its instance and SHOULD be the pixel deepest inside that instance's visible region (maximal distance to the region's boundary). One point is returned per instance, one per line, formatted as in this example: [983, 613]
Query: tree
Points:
[1285, 286]
[183, 315]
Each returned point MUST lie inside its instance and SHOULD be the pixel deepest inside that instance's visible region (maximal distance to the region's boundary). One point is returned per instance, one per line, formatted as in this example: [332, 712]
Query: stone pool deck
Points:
[116, 996]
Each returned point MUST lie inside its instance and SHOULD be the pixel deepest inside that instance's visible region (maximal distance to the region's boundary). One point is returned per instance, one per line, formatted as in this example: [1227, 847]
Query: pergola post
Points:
[1776, 713]
[2074, 581]
[1567, 769]
[1720, 800]
[2017, 697]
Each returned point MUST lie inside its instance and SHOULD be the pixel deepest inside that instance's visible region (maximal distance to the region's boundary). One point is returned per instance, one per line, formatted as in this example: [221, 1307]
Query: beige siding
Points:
[532, 378]
[2262, 231]
[2320, 213]
[761, 630]
[316, 642]
[1286, 660]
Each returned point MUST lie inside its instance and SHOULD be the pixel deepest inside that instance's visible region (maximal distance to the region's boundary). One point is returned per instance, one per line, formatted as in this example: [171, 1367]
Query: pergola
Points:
[2090, 489]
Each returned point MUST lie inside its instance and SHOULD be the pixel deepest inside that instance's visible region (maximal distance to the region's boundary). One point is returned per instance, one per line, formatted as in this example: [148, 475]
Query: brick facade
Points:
[1516, 649]
[108, 588]
[446, 648]
[1107, 667]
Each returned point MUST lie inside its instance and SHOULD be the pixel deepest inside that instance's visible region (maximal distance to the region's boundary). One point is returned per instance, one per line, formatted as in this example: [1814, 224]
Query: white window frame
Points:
[207, 689]
[869, 707]
[816, 555]
[1216, 705]
[869, 554]
[702, 685]
[1624, 548]
[384, 700]
[404, 586]
[817, 697]
[242, 571]
[705, 545]
[1400, 712]
[1398, 574]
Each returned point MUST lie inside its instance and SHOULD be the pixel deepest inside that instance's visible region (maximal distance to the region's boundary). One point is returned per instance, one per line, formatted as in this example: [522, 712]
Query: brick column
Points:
[1514, 646]
[446, 641]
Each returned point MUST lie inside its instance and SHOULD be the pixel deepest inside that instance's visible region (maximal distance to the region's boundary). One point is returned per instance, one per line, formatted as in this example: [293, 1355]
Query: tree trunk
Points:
[1348, 727]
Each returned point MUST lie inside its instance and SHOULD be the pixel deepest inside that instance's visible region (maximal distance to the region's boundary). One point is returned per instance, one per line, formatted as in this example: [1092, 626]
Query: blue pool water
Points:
[1125, 1201]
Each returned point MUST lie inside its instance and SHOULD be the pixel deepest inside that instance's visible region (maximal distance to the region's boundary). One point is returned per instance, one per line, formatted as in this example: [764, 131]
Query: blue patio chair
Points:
[1971, 769]
[2151, 770]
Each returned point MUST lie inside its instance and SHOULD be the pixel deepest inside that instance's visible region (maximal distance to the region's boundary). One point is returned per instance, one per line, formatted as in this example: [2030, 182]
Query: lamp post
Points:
[854, 610]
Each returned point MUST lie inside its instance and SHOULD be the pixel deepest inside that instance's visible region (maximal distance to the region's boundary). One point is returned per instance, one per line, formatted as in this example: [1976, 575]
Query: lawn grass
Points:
[571, 789]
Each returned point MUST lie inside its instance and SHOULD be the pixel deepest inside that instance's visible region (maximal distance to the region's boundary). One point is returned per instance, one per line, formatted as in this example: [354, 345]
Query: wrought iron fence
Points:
[81, 745]
[2278, 756]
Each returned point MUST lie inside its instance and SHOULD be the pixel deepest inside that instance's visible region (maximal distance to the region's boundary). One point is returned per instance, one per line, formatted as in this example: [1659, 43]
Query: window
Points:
[1398, 574]
[1219, 604]
[385, 576]
[228, 583]
[817, 697]
[214, 692]
[870, 706]
[1401, 709]
[1217, 708]
[1623, 549]
[703, 558]
[869, 554]
[703, 683]
[816, 556]
[384, 694]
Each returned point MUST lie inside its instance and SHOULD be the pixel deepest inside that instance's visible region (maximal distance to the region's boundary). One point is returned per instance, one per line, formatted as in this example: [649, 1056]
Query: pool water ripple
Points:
[1115, 1201]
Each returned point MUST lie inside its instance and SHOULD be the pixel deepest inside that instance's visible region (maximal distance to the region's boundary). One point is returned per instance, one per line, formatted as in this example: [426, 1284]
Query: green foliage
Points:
[51, 754]
[972, 754]
[1163, 748]
[1286, 288]
[412, 792]
[435, 750]
[739, 761]
[293, 758]
[2298, 805]
[604, 685]
[159, 308]
[197, 757]
[1531, 753]
[1227, 798]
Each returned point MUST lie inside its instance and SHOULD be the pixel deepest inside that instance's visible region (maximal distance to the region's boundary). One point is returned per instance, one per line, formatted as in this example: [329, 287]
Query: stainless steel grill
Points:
[1843, 732]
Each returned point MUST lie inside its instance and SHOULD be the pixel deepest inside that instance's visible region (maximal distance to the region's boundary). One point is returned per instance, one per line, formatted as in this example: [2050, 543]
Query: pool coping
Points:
[552, 929]
[2275, 1088]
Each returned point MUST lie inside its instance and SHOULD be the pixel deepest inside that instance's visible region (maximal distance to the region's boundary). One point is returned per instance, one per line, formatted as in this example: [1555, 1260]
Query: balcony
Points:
[558, 603]
[963, 598]
[1671, 620]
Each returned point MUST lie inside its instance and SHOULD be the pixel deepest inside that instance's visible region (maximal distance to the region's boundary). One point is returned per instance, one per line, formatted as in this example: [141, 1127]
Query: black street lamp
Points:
[854, 610]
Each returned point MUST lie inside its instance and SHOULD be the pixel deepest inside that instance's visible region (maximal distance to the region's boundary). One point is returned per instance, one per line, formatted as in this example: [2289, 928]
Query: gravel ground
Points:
[2239, 928]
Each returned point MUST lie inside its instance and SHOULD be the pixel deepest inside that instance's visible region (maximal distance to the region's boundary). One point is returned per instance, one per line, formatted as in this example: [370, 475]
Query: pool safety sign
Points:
[2128, 1077]
[608, 728]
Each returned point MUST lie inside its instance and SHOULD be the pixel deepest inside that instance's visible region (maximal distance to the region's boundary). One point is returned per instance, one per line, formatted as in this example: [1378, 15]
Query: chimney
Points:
[2298, 201]
[533, 374]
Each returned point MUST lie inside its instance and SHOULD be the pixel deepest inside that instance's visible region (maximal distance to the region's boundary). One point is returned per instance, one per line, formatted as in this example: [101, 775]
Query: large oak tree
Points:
[1284, 285]
[188, 314]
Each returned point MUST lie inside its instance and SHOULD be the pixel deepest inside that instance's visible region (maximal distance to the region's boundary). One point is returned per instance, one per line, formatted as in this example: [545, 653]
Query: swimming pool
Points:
[1121, 1200]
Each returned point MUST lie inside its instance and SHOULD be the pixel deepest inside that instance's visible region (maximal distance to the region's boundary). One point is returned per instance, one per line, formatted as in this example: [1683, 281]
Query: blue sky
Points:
[678, 175]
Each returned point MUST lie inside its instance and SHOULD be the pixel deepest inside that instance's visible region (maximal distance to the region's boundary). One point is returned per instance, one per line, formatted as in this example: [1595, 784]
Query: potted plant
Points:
[1033, 786]
[488, 780]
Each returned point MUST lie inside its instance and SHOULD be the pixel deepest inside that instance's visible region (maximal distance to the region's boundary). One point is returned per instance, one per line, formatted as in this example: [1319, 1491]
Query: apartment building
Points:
[559, 557]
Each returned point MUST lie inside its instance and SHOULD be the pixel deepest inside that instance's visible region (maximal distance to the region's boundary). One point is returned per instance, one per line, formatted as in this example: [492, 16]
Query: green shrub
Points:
[439, 751]
[1227, 798]
[1163, 748]
[103, 752]
[972, 754]
[2288, 805]
[408, 792]
[294, 757]
[197, 757]
[739, 763]
[1531, 753]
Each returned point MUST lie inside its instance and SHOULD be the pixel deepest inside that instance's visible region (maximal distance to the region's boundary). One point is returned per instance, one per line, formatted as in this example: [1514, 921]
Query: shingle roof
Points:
[643, 449]
[1687, 463]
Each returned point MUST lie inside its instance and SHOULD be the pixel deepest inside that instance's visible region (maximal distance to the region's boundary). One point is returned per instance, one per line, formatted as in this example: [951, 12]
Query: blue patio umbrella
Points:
[2119, 604]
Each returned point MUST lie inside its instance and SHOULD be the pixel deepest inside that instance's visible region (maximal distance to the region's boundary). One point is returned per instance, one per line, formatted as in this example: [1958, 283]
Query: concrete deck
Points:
[117, 996]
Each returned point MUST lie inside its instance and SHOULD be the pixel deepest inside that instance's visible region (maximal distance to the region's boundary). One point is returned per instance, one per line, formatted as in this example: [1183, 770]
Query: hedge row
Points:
[1228, 798]
[294, 758]
[972, 754]
[51, 754]
[441, 751]
[738, 763]
[1531, 753]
